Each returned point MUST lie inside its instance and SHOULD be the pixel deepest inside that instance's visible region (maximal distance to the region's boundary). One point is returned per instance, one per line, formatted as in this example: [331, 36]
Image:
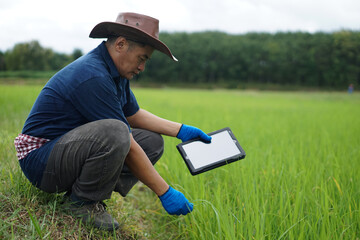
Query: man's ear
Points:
[120, 44]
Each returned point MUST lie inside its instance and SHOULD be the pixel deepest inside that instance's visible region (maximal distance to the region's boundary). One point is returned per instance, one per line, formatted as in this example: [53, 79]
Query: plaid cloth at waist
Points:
[24, 144]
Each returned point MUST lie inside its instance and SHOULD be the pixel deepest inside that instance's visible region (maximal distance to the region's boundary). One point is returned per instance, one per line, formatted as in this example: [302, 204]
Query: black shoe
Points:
[94, 214]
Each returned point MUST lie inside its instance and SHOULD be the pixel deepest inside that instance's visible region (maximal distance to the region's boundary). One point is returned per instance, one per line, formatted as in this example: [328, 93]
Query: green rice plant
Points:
[299, 179]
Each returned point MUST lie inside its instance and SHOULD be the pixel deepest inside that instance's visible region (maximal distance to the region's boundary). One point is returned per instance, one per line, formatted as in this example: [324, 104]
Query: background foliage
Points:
[321, 60]
[32, 56]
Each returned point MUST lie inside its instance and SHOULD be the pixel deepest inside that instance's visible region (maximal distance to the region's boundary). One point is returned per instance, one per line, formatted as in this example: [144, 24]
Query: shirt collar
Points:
[108, 60]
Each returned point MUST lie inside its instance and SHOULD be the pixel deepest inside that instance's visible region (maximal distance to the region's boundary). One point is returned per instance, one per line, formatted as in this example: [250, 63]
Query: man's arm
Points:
[140, 165]
[172, 200]
[146, 120]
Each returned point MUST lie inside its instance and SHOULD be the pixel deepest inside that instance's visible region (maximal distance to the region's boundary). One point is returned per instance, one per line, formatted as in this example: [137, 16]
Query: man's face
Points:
[133, 59]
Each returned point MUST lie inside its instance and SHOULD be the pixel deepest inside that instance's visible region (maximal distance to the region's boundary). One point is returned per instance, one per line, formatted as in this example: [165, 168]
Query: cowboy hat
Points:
[135, 27]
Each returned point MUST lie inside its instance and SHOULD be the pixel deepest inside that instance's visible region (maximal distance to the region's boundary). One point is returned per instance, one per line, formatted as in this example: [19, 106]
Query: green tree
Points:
[346, 58]
[329, 60]
[2, 61]
[76, 53]
[32, 56]
[26, 56]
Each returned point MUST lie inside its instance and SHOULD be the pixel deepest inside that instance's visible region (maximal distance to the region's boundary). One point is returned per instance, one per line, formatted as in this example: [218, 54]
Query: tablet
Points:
[201, 157]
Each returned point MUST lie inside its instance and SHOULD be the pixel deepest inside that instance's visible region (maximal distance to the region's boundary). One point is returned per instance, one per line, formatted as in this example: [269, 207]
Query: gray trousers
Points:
[89, 160]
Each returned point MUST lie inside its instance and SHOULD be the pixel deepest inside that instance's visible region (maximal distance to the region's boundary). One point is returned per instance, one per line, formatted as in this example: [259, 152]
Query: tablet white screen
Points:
[201, 154]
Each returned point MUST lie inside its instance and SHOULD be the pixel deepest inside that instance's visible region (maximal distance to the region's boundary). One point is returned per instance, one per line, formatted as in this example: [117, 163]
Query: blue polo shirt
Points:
[86, 90]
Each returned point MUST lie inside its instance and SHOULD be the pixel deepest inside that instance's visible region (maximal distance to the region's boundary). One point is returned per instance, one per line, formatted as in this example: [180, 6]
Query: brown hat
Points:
[136, 27]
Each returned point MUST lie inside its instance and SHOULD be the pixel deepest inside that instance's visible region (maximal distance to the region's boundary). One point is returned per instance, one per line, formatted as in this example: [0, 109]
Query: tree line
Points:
[329, 60]
[292, 58]
[31, 56]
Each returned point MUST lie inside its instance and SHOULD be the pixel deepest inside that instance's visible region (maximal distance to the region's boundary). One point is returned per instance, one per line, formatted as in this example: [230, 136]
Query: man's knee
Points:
[108, 135]
[152, 143]
[112, 128]
[157, 142]
[112, 132]
[154, 147]
[158, 147]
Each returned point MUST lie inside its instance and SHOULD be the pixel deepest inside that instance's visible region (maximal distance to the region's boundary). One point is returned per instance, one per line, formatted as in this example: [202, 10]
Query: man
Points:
[86, 134]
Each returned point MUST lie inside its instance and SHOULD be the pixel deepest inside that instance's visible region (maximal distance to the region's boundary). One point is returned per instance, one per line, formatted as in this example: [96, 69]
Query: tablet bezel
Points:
[213, 165]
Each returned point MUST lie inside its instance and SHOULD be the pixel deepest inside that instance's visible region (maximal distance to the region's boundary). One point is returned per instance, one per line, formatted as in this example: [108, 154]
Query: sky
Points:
[65, 25]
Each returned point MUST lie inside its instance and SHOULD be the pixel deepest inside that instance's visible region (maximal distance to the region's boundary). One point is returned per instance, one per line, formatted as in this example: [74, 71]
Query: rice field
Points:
[299, 180]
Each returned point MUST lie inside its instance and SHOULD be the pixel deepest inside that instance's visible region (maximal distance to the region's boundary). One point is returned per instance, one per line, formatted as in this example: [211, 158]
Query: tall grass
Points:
[299, 180]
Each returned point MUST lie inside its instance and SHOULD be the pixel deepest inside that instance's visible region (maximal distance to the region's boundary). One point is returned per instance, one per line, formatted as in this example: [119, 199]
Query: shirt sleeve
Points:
[97, 98]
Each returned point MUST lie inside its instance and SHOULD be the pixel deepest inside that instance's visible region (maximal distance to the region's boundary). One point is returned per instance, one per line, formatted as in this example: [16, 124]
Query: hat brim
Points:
[106, 29]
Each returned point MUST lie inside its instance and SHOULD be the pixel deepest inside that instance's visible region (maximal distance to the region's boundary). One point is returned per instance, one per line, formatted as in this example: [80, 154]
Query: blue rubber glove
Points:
[188, 132]
[175, 202]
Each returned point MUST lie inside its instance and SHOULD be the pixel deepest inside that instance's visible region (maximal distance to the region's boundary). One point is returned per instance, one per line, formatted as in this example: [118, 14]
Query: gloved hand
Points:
[188, 132]
[175, 202]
